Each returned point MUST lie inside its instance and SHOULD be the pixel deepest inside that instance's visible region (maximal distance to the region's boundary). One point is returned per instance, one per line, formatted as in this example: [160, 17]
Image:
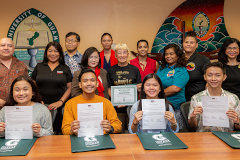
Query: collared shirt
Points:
[134, 110]
[73, 62]
[195, 66]
[7, 76]
[174, 76]
[233, 103]
[150, 66]
[51, 84]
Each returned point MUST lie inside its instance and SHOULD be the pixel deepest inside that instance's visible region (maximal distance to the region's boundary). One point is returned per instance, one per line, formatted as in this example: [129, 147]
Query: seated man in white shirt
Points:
[214, 75]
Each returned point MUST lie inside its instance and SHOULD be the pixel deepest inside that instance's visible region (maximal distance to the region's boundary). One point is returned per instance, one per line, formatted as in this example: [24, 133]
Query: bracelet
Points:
[174, 123]
[135, 124]
[61, 101]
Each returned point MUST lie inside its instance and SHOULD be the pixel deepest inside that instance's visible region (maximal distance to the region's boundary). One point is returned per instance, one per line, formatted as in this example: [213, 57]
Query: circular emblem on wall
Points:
[190, 66]
[200, 24]
[31, 31]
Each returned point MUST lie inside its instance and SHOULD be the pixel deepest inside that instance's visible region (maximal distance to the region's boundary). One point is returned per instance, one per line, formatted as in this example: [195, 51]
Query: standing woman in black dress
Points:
[54, 81]
[229, 55]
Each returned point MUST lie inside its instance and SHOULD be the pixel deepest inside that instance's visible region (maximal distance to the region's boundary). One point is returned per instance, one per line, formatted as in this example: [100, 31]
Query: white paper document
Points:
[18, 122]
[153, 114]
[214, 111]
[90, 116]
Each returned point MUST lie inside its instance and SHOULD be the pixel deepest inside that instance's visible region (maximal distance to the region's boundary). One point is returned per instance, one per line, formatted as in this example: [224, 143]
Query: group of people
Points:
[65, 79]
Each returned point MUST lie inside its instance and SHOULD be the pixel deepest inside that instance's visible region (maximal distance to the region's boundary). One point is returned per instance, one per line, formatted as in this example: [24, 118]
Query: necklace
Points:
[233, 63]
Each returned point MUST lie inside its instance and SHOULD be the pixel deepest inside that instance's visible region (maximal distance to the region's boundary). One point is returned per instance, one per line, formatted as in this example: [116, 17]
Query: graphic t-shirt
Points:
[123, 75]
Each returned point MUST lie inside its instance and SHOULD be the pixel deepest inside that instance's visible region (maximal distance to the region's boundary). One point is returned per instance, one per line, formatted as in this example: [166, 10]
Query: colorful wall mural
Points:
[205, 17]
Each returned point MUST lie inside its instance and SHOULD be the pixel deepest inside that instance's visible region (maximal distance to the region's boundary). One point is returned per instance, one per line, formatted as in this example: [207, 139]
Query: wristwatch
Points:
[112, 130]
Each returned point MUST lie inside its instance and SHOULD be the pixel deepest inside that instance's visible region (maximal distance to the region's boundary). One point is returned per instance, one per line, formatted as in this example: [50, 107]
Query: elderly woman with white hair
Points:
[122, 73]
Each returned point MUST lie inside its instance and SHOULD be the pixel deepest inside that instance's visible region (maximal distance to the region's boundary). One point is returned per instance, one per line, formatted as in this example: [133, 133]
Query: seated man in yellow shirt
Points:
[88, 83]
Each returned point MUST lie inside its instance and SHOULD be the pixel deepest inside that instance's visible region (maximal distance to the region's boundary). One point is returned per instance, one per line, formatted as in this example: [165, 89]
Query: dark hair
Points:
[36, 95]
[142, 40]
[85, 70]
[216, 64]
[104, 34]
[160, 95]
[191, 34]
[73, 33]
[222, 57]
[181, 62]
[58, 48]
[86, 55]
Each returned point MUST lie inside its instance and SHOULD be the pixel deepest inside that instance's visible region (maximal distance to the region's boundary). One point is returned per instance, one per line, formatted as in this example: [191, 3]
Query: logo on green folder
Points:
[91, 141]
[160, 140]
[237, 136]
[9, 145]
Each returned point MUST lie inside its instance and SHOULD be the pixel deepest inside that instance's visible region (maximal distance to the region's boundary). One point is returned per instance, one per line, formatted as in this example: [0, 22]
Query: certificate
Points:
[153, 114]
[123, 95]
[214, 111]
[90, 116]
[18, 122]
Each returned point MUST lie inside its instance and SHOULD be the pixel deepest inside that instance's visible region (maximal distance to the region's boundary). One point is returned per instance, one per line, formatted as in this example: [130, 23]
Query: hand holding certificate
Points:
[90, 116]
[123, 95]
[18, 122]
[153, 114]
[214, 111]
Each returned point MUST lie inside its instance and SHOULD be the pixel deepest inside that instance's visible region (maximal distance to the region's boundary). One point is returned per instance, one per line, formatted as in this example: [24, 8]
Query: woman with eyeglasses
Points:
[229, 55]
[91, 59]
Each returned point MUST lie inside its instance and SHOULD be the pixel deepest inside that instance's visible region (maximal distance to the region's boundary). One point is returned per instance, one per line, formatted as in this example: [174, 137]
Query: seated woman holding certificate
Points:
[222, 117]
[152, 89]
[92, 61]
[24, 92]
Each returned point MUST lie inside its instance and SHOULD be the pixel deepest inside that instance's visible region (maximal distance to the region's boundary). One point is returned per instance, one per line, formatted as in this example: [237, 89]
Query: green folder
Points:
[161, 141]
[16, 147]
[92, 143]
[232, 139]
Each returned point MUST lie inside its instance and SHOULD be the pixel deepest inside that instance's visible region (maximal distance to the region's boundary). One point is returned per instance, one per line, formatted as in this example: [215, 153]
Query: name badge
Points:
[59, 72]
[171, 73]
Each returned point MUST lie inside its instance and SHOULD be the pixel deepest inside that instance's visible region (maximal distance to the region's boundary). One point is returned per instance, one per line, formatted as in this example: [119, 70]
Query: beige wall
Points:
[127, 20]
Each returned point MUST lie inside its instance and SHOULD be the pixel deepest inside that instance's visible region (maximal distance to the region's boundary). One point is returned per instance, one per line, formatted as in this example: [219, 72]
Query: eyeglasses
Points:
[94, 57]
[70, 41]
[234, 48]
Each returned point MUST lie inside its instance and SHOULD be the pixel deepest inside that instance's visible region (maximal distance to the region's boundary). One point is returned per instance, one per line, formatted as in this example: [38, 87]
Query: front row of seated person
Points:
[214, 75]
[152, 88]
[24, 92]
[88, 84]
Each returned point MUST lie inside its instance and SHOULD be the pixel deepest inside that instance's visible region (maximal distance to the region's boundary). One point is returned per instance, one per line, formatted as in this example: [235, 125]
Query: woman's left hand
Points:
[233, 116]
[55, 105]
[170, 117]
[36, 127]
